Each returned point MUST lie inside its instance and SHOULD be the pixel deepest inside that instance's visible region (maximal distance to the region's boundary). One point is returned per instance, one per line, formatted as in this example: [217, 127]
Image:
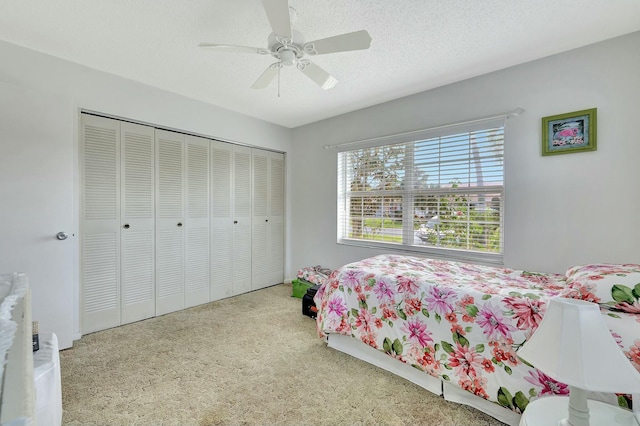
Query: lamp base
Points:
[578, 408]
[546, 411]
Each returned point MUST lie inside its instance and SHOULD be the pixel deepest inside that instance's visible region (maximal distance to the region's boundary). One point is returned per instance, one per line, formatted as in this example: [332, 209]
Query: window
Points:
[441, 192]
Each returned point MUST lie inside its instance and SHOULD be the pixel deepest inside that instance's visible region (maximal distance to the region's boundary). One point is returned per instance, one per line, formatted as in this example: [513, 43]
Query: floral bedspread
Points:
[458, 322]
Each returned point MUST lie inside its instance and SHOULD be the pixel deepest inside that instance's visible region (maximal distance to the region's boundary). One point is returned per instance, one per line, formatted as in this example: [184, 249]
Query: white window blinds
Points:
[442, 191]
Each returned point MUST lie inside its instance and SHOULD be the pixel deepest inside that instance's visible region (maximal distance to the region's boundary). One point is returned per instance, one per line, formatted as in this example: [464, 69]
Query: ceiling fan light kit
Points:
[288, 47]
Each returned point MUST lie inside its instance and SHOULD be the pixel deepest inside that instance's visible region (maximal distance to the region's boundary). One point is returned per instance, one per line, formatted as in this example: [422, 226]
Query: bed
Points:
[454, 328]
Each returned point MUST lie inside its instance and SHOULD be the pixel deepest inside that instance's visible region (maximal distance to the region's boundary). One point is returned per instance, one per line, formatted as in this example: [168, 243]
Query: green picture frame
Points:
[570, 132]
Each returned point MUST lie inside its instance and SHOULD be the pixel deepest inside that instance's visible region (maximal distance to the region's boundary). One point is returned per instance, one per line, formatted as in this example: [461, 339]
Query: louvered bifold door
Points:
[221, 220]
[100, 223]
[169, 222]
[276, 218]
[260, 219]
[197, 222]
[241, 219]
[137, 257]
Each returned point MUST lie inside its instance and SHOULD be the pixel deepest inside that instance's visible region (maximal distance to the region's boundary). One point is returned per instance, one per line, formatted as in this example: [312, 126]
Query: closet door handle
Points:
[179, 224]
[126, 226]
[235, 222]
[266, 220]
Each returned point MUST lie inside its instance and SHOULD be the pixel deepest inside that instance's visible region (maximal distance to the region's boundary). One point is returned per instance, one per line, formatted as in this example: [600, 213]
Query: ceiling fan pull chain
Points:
[279, 68]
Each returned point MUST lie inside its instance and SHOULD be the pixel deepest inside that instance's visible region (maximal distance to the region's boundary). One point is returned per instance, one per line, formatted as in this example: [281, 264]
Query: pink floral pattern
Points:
[614, 285]
[459, 322]
[549, 386]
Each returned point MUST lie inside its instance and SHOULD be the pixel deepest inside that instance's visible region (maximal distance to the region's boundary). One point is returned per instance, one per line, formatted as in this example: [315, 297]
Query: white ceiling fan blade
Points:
[278, 15]
[267, 76]
[234, 49]
[357, 40]
[317, 74]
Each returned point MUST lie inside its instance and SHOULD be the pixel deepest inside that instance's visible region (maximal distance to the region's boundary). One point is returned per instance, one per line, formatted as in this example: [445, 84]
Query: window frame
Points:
[408, 195]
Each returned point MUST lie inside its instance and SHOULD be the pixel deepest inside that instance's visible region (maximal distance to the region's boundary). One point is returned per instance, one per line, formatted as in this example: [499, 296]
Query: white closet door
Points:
[221, 220]
[197, 222]
[100, 223]
[260, 219]
[169, 222]
[241, 219]
[276, 218]
[137, 221]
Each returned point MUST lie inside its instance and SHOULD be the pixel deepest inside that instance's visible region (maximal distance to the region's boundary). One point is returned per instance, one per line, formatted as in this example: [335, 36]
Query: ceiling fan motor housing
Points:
[286, 50]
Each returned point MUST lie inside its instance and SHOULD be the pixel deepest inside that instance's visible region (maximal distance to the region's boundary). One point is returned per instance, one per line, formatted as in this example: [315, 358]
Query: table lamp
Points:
[573, 345]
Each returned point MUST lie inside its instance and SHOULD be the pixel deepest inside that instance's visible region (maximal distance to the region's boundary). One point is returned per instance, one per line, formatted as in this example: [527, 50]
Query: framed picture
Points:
[570, 132]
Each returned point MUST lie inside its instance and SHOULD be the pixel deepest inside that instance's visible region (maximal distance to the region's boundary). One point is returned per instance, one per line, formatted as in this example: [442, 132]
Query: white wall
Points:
[560, 210]
[36, 200]
[60, 89]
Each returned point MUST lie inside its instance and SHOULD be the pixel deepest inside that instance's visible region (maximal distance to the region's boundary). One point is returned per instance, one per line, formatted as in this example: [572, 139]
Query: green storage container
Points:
[300, 287]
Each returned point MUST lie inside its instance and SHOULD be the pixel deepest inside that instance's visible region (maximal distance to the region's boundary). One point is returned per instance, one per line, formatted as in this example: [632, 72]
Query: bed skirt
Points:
[357, 349]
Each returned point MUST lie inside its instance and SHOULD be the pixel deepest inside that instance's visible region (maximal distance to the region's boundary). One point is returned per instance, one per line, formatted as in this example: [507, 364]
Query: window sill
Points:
[491, 259]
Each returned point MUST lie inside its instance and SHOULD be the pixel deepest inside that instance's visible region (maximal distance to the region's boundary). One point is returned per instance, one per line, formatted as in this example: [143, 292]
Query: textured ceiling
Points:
[417, 44]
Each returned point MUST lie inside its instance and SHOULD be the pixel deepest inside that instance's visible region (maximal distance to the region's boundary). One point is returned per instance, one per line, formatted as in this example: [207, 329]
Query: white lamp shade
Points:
[573, 345]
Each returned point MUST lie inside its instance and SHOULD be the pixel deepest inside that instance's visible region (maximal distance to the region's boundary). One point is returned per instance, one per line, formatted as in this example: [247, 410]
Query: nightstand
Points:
[550, 410]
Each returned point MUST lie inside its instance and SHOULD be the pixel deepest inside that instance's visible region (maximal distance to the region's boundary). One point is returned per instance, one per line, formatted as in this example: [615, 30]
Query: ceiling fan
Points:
[289, 47]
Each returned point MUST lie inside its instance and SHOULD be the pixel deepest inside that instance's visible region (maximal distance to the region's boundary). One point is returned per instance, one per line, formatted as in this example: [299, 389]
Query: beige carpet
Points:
[253, 359]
